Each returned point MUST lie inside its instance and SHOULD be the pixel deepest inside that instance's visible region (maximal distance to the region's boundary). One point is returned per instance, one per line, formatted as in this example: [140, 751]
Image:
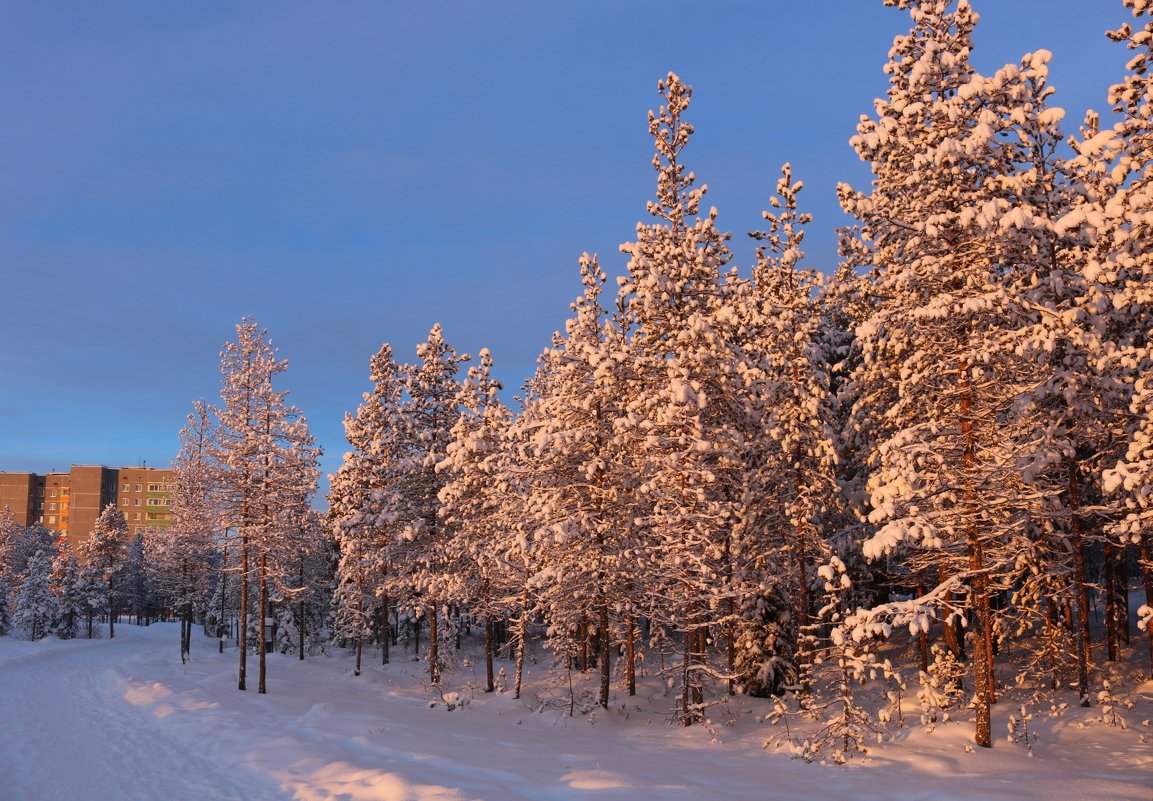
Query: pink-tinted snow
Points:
[123, 720]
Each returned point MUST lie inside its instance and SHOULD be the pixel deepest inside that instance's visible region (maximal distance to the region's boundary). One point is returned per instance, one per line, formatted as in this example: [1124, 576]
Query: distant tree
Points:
[36, 607]
[104, 553]
[181, 559]
[360, 522]
[137, 590]
[66, 586]
[305, 590]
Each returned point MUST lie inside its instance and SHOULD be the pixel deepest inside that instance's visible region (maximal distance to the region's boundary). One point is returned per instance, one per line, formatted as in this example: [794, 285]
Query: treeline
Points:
[48, 587]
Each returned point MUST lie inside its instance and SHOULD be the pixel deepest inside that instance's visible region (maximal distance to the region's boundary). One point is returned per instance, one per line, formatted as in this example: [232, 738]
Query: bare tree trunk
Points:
[433, 646]
[1081, 640]
[111, 611]
[243, 631]
[386, 632]
[490, 683]
[522, 643]
[923, 638]
[981, 657]
[1122, 601]
[686, 709]
[1147, 578]
[583, 636]
[1110, 602]
[300, 609]
[802, 612]
[630, 654]
[223, 595]
[979, 584]
[603, 653]
[185, 632]
[260, 685]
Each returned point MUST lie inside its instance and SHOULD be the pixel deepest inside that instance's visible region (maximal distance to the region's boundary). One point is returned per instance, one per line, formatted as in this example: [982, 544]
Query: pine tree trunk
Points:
[583, 636]
[630, 654]
[923, 638]
[979, 587]
[603, 654]
[802, 612]
[490, 683]
[300, 610]
[300, 628]
[522, 642]
[388, 633]
[981, 656]
[686, 709]
[1122, 601]
[359, 653]
[699, 659]
[223, 596]
[1110, 603]
[262, 659]
[186, 633]
[1081, 640]
[433, 647]
[1147, 577]
[242, 634]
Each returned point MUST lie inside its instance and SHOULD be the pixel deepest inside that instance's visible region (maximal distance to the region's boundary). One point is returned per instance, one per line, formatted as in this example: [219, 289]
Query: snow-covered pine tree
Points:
[182, 558]
[36, 609]
[796, 455]
[268, 473]
[137, 590]
[104, 553]
[425, 419]
[10, 532]
[470, 503]
[65, 581]
[682, 322]
[1072, 416]
[577, 483]
[1124, 277]
[948, 488]
[305, 591]
[361, 524]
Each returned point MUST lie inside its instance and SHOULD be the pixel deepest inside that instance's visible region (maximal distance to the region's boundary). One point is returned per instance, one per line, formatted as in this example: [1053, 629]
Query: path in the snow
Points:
[123, 720]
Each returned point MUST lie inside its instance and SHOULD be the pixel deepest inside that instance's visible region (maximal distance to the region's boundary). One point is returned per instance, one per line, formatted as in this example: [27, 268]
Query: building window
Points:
[64, 492]
[52, 506]
[51, 493]
[135, 501]
[138, 488]
[51, 518]
[137, 517]
[154, 488]
[157, 501]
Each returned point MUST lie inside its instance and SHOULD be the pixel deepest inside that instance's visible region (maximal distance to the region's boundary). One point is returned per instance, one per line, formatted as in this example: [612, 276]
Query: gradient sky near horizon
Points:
[352, 173]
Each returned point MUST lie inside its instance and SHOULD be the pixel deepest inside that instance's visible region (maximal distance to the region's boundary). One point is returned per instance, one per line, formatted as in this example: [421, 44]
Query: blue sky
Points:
[352, 172]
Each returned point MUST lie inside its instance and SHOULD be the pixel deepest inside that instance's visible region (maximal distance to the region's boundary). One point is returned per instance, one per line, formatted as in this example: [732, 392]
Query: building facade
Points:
[71, 502]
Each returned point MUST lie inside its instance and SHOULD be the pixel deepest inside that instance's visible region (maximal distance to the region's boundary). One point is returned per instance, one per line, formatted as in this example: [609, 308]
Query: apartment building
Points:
[71, 502]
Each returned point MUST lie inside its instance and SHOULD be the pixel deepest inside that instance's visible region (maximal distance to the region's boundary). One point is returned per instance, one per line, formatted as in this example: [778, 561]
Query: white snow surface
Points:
[123, 720]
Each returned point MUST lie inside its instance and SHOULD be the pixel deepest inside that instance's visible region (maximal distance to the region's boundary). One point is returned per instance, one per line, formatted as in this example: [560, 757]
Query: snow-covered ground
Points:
[122, 719]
